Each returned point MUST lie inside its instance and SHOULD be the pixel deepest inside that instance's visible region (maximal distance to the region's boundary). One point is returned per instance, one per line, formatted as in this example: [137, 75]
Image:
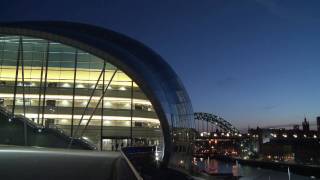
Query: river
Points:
[246, 172]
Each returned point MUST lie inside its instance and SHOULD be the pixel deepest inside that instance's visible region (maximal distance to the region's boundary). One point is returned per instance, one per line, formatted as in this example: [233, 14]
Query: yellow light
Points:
[67, 97]
[97, 117]
[88, 76]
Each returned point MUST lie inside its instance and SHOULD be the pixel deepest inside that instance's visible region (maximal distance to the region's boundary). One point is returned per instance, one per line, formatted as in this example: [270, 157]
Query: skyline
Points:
[252, 62]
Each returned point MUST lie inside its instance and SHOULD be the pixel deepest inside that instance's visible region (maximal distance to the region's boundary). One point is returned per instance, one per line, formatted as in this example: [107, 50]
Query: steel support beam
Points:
[45, 84]
[74, 90]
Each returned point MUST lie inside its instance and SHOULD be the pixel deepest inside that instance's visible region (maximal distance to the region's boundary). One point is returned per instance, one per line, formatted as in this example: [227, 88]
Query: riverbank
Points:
[278, 166]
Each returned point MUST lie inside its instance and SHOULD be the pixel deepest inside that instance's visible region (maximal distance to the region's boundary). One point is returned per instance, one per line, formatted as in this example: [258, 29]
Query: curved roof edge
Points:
[154, 76]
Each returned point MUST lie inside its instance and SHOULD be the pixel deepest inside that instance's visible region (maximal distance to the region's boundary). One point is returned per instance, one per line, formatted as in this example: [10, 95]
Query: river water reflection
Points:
[245, 172]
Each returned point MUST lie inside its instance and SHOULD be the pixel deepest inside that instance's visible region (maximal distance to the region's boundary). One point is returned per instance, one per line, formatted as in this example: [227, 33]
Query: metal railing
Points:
[133, 169]
[52, 127]
[62, 132]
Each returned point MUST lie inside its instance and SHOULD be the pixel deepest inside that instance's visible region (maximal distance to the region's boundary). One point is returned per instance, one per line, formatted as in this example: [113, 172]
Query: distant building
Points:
[296, 127]
[288, 145]
[318, 124]
[305, 125]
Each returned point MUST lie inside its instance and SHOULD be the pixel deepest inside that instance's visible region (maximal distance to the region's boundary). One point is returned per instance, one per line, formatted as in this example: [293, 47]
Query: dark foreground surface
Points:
[17, 163]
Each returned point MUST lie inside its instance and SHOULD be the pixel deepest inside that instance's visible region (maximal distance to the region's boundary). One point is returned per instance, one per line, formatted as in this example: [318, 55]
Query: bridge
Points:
[206, 122]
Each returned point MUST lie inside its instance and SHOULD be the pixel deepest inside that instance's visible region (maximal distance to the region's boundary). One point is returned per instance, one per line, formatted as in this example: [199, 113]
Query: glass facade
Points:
[59, 86]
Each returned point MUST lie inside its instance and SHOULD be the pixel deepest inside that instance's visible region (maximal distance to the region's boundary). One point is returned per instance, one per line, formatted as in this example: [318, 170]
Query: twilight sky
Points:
[253, 62]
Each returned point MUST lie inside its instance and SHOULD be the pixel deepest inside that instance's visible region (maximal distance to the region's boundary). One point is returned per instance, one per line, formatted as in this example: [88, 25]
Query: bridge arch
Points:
[206, 122]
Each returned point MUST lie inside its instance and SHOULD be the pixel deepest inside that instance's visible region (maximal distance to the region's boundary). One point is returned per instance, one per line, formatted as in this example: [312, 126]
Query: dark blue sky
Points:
[254, 62]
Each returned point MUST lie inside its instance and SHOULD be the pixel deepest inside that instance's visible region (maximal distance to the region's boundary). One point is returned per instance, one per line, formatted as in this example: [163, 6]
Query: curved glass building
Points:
[94, 84]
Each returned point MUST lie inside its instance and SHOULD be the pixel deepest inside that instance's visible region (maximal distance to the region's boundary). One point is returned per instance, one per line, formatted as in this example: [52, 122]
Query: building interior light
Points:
[95, 117]
[84, 122]
[68, 97]
[80, 86]
[65, 102]
[84, 103]
[107, 104]
[66, 85]
[106, 122]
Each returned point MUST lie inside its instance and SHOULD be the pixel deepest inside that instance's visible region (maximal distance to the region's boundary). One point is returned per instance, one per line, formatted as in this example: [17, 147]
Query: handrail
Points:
[52, 127]
[62, 132]
[133, 169]
[21, 118]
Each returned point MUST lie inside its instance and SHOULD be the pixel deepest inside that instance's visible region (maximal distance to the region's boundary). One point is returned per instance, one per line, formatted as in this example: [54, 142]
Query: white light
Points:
[67, 85]
[84, 137]
[80, 86]
[9, 120]
[65, 102]
[107, 104]
[128, 123]
[64, 121]
[314, 136]
[295, 136]
[84, 122]
[106, 122]
[122, 88]
[84, 103]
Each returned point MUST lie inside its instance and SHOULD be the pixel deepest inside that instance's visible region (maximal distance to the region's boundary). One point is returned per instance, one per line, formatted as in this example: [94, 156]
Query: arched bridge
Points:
[206, 122]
